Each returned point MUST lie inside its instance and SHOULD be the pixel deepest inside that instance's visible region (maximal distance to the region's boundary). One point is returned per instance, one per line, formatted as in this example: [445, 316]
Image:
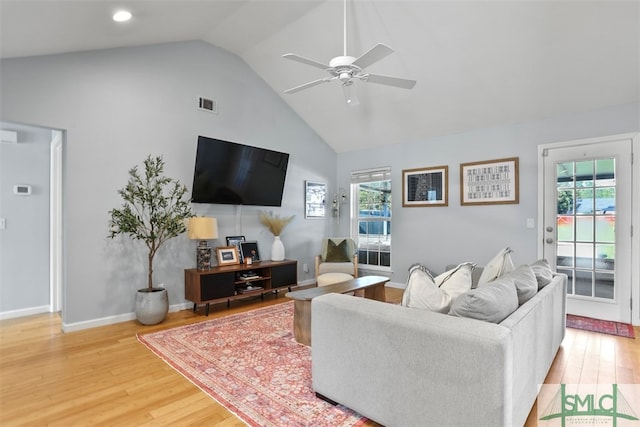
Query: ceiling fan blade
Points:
[307, 85]
[304, 60]
[374, 54]
[389, 81]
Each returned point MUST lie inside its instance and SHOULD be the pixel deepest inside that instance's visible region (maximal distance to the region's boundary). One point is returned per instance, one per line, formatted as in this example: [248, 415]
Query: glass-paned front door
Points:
[585, 224]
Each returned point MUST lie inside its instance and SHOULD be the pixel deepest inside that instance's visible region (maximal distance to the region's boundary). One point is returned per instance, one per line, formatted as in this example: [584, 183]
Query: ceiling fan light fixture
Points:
[349, 94]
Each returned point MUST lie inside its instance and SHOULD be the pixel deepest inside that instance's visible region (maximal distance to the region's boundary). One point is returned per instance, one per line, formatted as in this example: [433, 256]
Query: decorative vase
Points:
[277, 249]
[152, 305]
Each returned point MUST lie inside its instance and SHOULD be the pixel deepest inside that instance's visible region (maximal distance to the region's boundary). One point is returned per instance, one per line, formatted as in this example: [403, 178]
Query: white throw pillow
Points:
[436, 294]
[495, 268]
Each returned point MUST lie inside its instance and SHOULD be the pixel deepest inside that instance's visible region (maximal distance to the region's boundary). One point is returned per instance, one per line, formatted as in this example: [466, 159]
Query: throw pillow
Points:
[525, 281]
[436, 294]
[499, 265]
[492, 303]
[337, 253]
[542, 271]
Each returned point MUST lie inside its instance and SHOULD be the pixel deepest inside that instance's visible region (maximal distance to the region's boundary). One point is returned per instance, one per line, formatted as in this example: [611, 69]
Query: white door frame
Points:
[55, 223]
[635, 208]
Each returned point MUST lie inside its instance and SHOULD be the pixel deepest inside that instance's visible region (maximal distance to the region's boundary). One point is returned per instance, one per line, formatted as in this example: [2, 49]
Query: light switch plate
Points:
[3, 223]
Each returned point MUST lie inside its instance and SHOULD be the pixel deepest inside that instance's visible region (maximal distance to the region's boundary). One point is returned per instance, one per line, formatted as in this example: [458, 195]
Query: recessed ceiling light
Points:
[122, 16]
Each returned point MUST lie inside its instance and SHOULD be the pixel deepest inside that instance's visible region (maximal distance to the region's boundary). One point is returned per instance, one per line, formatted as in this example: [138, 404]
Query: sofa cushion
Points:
[436, 294]
[525, 281]
[337, 253]
[499, 265]
[493, 302]
[542, 271]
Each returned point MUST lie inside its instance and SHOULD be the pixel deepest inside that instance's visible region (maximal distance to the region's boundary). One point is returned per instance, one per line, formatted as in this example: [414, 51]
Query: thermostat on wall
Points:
[22, 190]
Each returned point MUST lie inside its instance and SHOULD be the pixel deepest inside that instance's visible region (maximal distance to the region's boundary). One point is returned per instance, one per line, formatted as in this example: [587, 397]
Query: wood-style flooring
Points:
[104, 376]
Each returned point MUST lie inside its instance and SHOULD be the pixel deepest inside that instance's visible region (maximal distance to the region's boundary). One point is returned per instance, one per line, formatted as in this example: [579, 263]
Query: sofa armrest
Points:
[403, 366]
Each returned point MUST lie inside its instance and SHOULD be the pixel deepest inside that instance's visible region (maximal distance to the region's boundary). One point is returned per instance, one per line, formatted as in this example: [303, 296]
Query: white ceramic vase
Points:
[277, 249]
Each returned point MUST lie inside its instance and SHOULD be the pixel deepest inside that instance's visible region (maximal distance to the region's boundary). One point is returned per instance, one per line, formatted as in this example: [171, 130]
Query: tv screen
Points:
[237, 174]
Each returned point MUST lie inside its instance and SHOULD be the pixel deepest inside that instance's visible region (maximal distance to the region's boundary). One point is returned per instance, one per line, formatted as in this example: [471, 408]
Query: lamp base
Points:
[203, 255]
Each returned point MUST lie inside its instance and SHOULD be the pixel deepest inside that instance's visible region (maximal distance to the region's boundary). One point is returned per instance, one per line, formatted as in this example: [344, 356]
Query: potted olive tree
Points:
[154, 210]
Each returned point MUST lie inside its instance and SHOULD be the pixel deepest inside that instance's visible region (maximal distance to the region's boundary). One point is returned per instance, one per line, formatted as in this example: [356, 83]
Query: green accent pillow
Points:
[337, 253]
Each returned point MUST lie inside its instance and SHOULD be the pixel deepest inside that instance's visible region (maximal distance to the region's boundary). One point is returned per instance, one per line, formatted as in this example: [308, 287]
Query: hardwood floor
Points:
[104, 376]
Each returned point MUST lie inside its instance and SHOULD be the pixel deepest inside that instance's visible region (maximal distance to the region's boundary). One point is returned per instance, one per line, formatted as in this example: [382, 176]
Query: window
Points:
[371, 216]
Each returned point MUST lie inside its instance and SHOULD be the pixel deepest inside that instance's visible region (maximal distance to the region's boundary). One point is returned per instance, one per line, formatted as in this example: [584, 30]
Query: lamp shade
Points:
[202, 228]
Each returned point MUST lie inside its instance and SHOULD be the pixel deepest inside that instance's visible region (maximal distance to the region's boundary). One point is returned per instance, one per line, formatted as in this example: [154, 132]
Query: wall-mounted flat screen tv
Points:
[237, 174]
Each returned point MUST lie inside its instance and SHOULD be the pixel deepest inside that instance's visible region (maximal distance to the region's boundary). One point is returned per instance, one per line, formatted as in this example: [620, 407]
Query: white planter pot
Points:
[277, 249]
[152, 307]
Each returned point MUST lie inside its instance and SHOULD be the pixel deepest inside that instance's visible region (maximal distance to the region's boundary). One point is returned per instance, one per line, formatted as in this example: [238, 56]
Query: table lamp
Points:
[203, 229]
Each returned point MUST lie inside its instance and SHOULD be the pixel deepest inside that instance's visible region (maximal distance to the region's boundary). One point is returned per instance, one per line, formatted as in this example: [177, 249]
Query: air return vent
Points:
[207, 104]
[8, 136]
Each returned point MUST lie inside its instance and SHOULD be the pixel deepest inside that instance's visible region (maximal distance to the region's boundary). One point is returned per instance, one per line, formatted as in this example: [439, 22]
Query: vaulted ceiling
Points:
[477, 64]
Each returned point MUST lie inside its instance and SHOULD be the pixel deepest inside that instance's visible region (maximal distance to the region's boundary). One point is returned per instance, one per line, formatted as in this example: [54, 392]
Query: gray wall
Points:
[119, 105]
[24, 243]
[438, 236]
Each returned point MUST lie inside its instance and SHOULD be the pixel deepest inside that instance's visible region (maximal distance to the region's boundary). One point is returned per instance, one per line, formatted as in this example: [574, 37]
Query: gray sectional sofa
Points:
[409, 367]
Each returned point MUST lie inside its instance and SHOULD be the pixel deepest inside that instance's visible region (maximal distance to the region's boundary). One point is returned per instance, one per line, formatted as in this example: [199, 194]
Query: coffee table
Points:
[373, 287]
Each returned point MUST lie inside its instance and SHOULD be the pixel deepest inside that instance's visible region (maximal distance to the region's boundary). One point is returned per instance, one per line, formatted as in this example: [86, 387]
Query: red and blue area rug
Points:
[252, 365]
[602, 326]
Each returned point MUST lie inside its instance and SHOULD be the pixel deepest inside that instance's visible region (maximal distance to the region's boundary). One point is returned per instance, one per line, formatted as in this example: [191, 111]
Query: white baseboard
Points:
[110, 320]
[24, 312]
[104, 321]
[396, 285]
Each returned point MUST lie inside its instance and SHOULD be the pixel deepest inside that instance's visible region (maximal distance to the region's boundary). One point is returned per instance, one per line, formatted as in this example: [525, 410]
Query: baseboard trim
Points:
[110, 320]
[12, 314]
[396, 285]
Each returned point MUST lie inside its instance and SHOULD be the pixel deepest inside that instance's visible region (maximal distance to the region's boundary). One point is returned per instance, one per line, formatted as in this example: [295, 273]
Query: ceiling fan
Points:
[347, 68]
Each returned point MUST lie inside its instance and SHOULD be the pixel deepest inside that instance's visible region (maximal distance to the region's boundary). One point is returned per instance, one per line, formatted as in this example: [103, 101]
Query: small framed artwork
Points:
[227, 255]
[315, 200]
[235, 241]
[250, 249]
[490, 182]
[425, 187]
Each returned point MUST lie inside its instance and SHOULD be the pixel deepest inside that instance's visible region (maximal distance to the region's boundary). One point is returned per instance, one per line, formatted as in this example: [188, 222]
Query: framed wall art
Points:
[425, 187]
[489, 182]
[227, 255]
[250, 249]
[315, 196]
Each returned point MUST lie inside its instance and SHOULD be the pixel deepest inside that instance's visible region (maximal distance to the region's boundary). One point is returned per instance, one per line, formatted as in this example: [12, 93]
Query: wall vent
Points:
[9, 136]
[207, 104]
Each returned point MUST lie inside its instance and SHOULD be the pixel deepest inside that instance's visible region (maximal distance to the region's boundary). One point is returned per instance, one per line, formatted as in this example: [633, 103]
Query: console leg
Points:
[207, 309]
[194, 307]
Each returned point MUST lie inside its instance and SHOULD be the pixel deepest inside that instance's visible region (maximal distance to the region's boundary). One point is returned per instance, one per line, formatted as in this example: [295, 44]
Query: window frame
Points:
[357, 179]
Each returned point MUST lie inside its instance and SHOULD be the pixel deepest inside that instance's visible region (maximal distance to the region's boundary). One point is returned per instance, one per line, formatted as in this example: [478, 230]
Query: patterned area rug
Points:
[252, 365]
[602, 326]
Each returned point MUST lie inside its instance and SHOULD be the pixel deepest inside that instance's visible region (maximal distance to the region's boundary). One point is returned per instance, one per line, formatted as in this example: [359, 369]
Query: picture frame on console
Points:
[235, 241]
[250, 249]
[490, 182]
[227, 255]
[425, 187]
